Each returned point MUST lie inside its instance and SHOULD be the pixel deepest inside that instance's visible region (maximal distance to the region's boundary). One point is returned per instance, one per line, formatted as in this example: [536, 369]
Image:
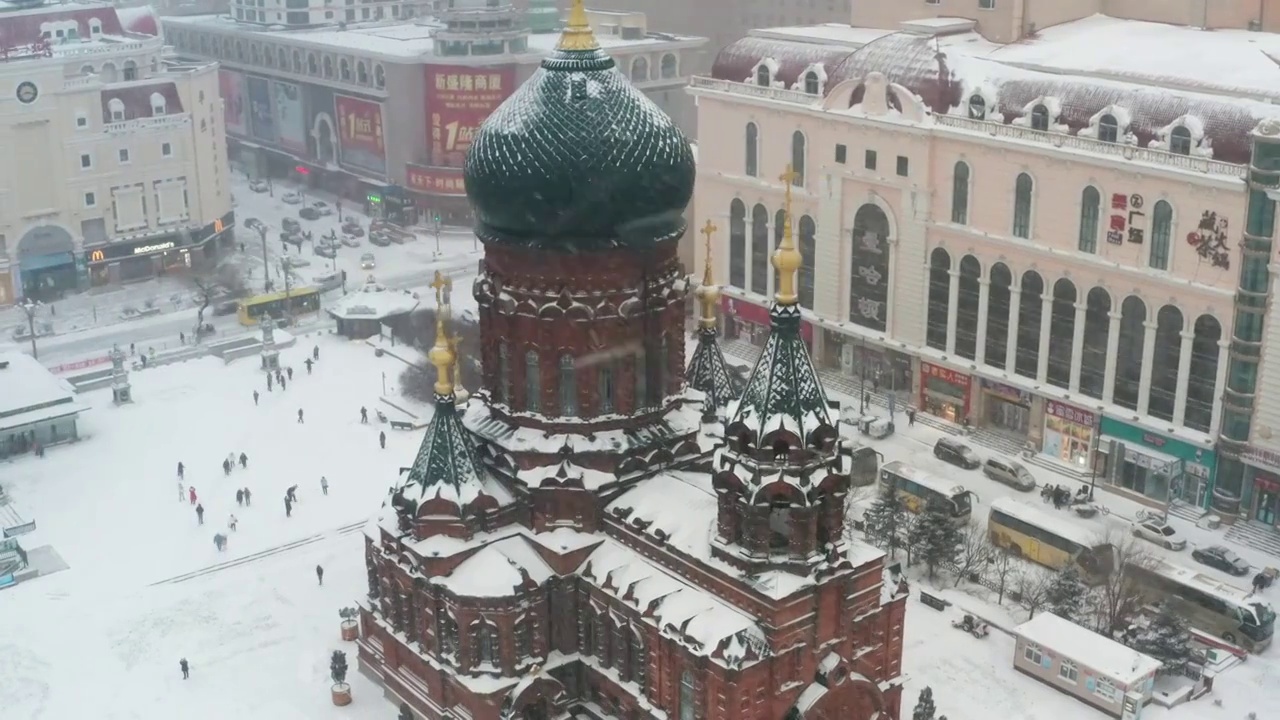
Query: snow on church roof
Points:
[373, 301]
[495, 570]
[680, 610]
[1087, 647]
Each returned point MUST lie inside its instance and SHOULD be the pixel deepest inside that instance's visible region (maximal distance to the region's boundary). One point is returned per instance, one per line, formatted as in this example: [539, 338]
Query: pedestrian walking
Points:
[182, 338]
[283, 386]
[364, 416]
[866, 399]
[182, 492]
[268, 383]
[315, 353]
[181, 469]
[255, 398]
[248, 498]
[324, 485]
[200, 514]
[299, 415]
[875, 384]
[319, 575]
[244, 460]
[220, 541]
[292, 493]
[231, 522]
[240, 498]
[307, 362]
[191, 491]
[382, 439]
[911, 417]
[288, 507]
[186, 668]
[132, 349]
[289, 371]
[226, 468]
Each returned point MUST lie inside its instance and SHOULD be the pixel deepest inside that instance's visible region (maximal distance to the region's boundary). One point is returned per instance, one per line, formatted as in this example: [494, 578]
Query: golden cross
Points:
[708, 230]
[439, 283]
[789, 176]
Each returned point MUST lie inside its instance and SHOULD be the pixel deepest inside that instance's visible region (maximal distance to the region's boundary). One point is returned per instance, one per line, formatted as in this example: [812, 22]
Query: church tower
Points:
[708, 373]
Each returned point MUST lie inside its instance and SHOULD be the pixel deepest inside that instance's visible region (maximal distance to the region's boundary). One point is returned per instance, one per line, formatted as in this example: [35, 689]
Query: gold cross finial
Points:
[577, 34]
[708, 293]
[439, 284]
[442, 355]
[787, 260]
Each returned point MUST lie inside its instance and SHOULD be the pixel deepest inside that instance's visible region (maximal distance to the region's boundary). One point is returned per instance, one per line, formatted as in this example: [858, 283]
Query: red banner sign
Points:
[360, 124]
[946, 375]
[1072, 415]
[458, 100]
[434, 180]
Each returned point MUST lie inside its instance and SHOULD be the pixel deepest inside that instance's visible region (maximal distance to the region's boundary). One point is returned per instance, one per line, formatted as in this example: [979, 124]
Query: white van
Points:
[328, 281]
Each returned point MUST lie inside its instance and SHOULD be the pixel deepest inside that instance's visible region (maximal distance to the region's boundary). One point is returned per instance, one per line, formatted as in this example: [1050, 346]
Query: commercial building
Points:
[115, 162]
[37, 408]
[378, 103]
[1044, 243]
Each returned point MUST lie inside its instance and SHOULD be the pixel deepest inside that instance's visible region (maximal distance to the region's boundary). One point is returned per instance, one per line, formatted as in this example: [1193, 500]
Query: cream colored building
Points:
[1013, 237]
[116, 158]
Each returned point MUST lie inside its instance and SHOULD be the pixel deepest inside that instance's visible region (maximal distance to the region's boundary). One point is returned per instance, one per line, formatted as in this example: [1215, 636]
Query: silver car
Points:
[367, 261]
[1155, 530]
[1010, 473]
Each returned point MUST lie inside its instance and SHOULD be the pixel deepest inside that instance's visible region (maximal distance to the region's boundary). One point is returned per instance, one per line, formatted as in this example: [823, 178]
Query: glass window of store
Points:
[1266, 495]
[944, 392]
[1068, 433]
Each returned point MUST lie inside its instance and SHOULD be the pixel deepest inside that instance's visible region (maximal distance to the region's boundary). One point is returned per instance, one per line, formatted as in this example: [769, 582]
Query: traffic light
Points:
[437, 217]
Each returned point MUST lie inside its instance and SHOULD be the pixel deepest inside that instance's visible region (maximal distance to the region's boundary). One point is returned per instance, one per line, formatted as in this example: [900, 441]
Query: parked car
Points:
[252, 223]
[309, 213]
[1160, 532]
[290, 225]
[352, 230]
[351, 242]
[259, 186]
[328, 281]
[377, 238]
[23, 332]
[1221, 558]
[367, 261]
[956, 453]
[322, 207]
[291, 198]
[292, 239]
[228, 307]
[325, 251]
[295, 261]
[1009, 472]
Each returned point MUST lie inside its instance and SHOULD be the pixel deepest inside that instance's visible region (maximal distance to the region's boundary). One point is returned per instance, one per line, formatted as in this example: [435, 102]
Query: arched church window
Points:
[523, 639]
[448, 635]
[688, 696]
[532, 382]
[607, 381]
[486, 644]
[1180, 141]
[504, 374]
[642, 379]
[779, 525]
[568, 386]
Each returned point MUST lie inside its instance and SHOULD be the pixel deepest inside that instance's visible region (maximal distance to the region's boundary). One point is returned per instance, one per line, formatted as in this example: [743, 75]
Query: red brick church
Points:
[603, 530]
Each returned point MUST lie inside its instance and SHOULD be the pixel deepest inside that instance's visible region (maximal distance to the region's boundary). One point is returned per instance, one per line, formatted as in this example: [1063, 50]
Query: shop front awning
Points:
[1159, 459]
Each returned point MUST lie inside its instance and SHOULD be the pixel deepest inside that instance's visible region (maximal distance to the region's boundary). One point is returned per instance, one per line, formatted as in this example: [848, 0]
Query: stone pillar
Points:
[984, 297]
[1148, 355]
[1077, 347]
[1184, 377]
[121, 390]
[1220, 384]
[1113, 349]
[1046, 324]
[1011, 347]
[270, 355]
[953, 301]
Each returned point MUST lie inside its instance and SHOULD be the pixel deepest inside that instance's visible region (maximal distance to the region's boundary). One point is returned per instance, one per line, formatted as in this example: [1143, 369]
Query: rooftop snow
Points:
[1087, 647]
[828, 34]
[26, 384]
[374, 301]
[495, 570]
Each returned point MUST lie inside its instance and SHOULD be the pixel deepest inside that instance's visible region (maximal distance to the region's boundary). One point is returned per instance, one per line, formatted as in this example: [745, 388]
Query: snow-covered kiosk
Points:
[363, 313]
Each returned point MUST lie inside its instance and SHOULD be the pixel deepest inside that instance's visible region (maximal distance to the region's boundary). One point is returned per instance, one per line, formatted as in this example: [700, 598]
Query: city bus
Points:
[1209, 605]
[920, 489]
[1049, 540]
[296, 301]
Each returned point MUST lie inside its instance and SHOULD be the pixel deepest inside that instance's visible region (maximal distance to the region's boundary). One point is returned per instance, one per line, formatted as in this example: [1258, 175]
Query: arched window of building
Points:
[967, 301]
[1030, 311]
[1202, 380]
[130, 70]
[313, 63]
[639, 659]
[109, 73]
[485, 638]
[523, 639]
[752, 150]
[362, 72]
[960, 194]
[297, 61]
[738, 244]
[1165, 363]
[1090, 211]
[797, 158]
[157, 104]
[1093, 354]
[588, 644]
[811, 83]
[448, 634]
[1129, 352]
[1180, 141]
[1062, 332]
[806, 230]
[344, 69]
[1161, 235]
[379, 76]
[999, 300]
[1108, 128]
[939, 311]
[977, 107]
[568, 386]
[1040, 118]
[115, 106]
[532, 382]
[763, 77]
[688, 696]
[639, 69]
[670, 66]
[282, 59]
[504, 374]
[607, 380]
[759, 250]
[327, 63]
[86, 70]
[1023, 190]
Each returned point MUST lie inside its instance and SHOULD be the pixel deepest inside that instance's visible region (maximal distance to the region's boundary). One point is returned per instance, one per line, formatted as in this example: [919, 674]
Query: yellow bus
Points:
[920, 489]
[294, 302]
[1209, 605]
[1049, 540]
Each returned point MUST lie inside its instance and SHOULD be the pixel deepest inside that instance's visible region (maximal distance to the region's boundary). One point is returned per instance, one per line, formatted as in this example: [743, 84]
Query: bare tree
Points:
[1004, 568]
[975, 551]
[419, 331]
[1118, 597]
[1033, 586]
[221, 282]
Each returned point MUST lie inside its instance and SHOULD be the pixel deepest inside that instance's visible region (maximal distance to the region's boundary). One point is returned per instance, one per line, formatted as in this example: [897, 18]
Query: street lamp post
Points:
[266, 264]
[436, 226]
[29, 307]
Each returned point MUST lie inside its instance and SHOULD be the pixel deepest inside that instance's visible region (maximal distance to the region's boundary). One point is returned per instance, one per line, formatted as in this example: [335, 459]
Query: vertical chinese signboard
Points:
[262, 119]
[361, 139]
[1128, 219]
[291, 122]
[231, 87]
[458, 100]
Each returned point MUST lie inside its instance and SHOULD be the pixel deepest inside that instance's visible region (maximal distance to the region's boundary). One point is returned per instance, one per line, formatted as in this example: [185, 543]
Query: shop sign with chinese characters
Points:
[1261, 458]
[434, 180]
[1072, 415]
[459, 98]
[1210, 240]
[1128, 219]
[946, 375]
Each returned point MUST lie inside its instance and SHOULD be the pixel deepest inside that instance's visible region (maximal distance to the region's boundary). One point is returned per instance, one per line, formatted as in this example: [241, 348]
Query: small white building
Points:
[1084, 664]
[362, 314]
[37, 408]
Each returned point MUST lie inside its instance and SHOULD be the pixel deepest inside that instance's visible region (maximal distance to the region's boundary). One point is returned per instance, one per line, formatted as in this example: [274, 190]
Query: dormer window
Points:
[95, 27]
[763, 78]
[779, 524]
[115, 107]
[1040, 118]
[1180, 141]
[130, 70]
[811, 83]
[977, 108]
[157, 104]
[1108, 128]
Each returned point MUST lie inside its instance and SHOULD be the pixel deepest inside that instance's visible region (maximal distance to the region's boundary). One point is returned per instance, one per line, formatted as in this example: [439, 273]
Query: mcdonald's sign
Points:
[217, 226]
[97, 256]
